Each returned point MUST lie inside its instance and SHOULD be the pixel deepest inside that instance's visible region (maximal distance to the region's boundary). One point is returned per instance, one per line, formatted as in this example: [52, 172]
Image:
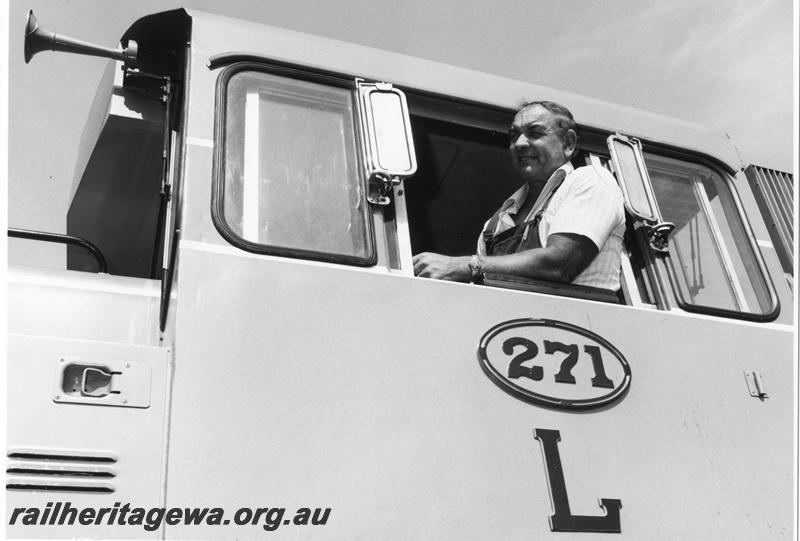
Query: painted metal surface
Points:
[361, 390]
[335, 387]
[213, 35]
[83, 306]
[131, 440]
[562, 519]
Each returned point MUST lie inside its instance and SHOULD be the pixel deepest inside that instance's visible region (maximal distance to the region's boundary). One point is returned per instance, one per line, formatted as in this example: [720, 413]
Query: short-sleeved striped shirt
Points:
[588, 202]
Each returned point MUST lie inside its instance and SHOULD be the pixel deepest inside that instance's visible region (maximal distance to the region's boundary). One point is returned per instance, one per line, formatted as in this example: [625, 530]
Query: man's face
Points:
[537, 149]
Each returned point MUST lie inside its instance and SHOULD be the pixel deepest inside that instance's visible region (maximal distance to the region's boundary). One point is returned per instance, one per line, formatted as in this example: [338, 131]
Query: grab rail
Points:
[63, 239]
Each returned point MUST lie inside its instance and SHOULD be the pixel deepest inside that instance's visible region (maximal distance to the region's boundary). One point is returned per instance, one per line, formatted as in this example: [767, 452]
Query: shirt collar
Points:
[514, 203]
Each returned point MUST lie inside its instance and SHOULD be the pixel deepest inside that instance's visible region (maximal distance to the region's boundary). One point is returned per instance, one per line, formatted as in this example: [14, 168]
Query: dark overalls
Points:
[524, 236]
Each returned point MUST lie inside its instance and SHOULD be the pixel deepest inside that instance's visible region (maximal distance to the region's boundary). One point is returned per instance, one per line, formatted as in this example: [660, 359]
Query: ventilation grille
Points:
[60, 471]
[774, 191]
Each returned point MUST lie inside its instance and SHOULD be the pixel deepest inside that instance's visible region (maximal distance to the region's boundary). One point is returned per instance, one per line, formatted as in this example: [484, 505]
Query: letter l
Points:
[562, 520]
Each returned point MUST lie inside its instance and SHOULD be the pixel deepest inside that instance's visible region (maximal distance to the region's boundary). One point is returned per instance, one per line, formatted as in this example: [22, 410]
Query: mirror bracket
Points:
[658, 236]
[380, 187]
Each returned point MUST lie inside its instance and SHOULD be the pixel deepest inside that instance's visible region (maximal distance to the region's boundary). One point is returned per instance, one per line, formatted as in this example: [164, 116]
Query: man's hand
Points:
[442, 267]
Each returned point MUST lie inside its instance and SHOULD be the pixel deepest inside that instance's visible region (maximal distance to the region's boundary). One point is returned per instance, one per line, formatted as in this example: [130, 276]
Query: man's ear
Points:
[570, 143]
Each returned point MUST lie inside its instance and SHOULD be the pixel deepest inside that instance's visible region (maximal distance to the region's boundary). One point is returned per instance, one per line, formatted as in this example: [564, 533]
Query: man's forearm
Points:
[539, 264]
[564, 258]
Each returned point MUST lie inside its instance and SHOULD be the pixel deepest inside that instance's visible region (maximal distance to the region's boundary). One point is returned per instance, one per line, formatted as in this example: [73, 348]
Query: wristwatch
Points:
[475, 269]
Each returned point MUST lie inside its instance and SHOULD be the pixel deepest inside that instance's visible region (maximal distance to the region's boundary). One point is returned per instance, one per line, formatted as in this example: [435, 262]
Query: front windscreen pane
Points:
[714, 262]
[291, 171]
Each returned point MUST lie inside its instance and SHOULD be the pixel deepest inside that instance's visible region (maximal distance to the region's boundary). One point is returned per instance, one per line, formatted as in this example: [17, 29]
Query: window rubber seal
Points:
[218, 184]
[774, 303]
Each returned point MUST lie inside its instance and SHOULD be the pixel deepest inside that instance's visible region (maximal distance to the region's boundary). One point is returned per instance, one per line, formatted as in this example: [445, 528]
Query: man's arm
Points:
[564, 258]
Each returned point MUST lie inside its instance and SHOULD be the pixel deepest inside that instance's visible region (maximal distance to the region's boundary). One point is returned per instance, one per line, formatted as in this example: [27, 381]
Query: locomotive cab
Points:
[260, 342]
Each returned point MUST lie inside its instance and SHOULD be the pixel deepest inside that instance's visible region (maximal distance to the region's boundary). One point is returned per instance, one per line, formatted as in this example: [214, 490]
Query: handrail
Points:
[63, 239]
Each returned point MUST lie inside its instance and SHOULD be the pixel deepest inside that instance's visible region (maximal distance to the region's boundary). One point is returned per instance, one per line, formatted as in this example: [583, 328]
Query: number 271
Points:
[564, 375]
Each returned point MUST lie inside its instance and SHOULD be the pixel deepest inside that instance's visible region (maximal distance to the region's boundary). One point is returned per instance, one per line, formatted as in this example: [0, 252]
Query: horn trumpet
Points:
[38, 39]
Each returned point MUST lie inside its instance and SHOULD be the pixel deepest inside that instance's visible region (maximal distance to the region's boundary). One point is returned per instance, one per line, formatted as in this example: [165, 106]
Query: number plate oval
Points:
[553, 363]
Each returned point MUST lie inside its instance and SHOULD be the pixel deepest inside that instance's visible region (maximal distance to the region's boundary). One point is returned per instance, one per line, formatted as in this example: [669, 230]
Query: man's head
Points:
[543, 138]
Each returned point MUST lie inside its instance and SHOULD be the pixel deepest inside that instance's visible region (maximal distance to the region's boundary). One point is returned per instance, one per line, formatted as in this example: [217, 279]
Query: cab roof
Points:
[214, 35]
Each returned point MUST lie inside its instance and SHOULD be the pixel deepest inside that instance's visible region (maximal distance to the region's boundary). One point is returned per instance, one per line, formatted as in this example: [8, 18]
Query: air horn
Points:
[38, 39]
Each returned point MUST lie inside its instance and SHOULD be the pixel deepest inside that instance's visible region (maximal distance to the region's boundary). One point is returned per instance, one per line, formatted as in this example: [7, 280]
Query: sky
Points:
[725, 64]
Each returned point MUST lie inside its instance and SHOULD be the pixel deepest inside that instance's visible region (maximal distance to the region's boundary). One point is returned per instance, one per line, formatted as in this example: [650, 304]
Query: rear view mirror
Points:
[632, 174]
[389, 144]
[637, 191]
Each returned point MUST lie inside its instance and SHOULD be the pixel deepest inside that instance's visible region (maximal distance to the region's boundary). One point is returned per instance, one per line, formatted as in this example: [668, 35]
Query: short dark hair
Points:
[563, 117]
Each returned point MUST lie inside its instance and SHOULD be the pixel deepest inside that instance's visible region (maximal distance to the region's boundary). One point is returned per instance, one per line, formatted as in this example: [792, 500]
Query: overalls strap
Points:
[524, 236]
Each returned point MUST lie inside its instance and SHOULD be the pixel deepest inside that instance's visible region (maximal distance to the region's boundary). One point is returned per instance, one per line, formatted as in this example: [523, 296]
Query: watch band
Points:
[476, 269]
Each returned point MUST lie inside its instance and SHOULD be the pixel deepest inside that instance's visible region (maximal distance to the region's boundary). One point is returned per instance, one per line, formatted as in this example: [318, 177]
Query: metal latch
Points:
[102, 382]
[380, 187]
[658, 236]
[97, 382]
[755, 385]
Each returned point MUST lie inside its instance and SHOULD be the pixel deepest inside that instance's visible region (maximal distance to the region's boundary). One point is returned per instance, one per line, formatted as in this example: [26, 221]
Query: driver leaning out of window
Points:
[563, 225]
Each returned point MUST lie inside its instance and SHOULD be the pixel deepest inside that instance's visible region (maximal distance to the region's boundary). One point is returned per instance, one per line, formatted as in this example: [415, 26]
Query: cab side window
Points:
[288, 178]
[695, 249]
[711, 257]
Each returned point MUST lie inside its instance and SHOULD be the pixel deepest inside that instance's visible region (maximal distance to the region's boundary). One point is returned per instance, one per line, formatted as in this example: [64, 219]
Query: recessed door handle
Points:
[96, 382]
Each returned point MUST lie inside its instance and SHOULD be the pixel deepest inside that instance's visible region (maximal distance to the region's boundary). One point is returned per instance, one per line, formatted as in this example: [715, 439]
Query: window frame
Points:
[726, 175]
[246, 63]
[664, 270]
[684, 304]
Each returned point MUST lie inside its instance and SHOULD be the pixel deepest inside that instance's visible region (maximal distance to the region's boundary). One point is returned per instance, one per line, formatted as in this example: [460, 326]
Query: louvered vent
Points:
[60, 471]
[773, 191]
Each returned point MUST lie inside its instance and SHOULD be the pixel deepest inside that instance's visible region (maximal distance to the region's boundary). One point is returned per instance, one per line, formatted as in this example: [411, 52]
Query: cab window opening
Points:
[464, 174]
[464, 170]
